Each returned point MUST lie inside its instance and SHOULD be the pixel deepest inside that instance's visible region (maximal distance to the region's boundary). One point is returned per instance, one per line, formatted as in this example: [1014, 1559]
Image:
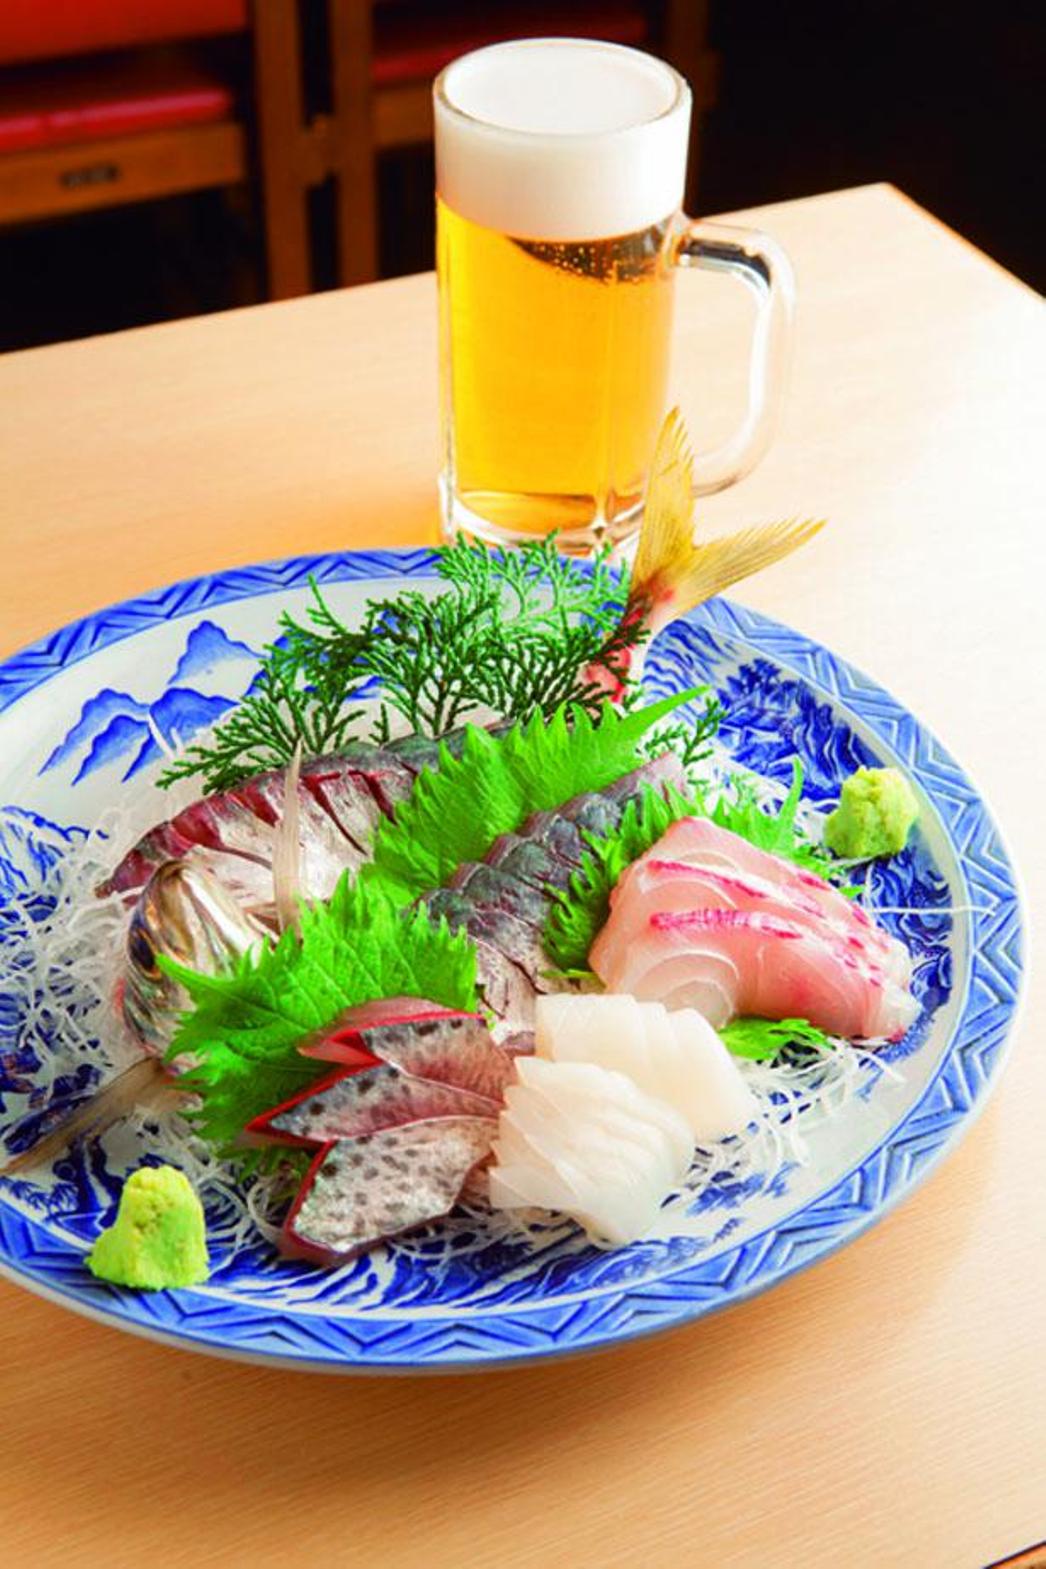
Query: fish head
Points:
[183, 913]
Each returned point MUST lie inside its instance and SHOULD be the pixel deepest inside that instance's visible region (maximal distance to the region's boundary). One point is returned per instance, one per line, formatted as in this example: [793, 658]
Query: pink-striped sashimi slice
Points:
[655, 886]
[780, 969]
[701, 842]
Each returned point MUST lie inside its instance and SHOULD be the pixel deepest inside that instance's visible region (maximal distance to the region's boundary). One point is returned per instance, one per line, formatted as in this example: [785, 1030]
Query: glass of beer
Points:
[560, 166]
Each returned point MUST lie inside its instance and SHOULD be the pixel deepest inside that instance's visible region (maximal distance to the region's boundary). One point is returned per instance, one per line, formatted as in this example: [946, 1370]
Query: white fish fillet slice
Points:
[704, 978]
[784, 972]
[714, 1097]
[658, 885]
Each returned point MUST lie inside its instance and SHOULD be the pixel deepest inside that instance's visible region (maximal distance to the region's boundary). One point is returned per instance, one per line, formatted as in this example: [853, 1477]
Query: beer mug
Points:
[560, 165]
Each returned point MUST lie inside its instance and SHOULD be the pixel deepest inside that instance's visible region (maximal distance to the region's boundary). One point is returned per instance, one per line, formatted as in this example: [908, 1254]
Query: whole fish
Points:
[503, 902]
[203, 881]
[342, 798]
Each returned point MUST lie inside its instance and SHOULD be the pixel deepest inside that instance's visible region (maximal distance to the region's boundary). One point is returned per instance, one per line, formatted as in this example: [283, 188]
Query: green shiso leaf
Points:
[580, 913]
[739, 810]
[583, 909]
[761, 1040]
[246, 1025]
[455, 812]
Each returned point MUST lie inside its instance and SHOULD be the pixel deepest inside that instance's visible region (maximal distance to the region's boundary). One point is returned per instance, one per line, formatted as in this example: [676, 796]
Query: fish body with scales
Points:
[341, 800]
[502, 903]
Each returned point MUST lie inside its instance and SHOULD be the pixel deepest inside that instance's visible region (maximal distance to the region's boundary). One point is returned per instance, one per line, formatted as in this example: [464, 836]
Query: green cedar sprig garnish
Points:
[512, 633]
[580, 912]
[455, 812]
[246, 1024]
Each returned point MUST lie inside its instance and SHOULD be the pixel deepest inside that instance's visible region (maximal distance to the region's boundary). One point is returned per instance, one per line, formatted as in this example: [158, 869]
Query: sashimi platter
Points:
[445, 958]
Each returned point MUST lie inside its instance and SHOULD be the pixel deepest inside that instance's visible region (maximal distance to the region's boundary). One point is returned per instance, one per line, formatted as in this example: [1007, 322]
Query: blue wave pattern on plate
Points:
[457, 1294]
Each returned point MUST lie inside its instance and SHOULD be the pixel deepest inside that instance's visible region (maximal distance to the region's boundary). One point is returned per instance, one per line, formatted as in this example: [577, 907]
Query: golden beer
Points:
[560, 165]
[554, 360]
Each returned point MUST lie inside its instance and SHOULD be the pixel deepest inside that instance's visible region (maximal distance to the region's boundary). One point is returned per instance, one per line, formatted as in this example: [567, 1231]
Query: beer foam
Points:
[561, 138]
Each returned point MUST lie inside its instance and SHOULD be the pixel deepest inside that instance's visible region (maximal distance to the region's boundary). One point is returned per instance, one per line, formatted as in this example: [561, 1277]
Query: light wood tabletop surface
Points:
[887, 1407]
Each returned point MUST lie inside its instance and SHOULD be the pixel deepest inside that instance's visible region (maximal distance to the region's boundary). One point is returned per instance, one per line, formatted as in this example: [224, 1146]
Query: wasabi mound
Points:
[157, 1240]
[876, 809]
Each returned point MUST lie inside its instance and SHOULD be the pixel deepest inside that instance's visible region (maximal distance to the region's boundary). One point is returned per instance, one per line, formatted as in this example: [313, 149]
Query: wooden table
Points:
[885, 1408]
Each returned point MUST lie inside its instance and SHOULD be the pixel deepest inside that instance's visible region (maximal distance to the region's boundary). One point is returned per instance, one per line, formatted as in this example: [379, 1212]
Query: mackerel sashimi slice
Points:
[353, 1102]
[361, 1191]
[454, 1049]
[409, 1112]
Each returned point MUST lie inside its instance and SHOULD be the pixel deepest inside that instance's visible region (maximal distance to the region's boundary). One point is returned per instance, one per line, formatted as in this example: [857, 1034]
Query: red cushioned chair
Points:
[102, 103]
[92, 117]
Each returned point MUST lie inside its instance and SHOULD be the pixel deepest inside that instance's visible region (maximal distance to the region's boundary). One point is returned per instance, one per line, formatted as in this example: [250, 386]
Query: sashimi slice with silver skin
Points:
[365, 1190]
[348, 1105]
[512, 966]
[429, 1042]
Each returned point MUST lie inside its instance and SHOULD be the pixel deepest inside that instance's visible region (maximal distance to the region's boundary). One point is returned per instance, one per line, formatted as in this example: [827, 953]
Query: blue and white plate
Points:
[85, 715]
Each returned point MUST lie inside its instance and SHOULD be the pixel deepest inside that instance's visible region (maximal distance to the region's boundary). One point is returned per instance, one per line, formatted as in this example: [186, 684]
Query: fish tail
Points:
[142, 1084]
[672, 574]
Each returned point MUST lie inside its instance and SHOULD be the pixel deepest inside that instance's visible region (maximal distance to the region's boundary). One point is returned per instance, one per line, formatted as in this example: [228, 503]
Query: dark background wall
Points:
[946, 100]
[943, 99]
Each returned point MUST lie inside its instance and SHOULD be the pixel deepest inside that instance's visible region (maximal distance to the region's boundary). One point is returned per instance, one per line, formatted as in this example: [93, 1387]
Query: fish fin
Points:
[671, 574]
[143, 1083]
[666, 540]
[718, 563]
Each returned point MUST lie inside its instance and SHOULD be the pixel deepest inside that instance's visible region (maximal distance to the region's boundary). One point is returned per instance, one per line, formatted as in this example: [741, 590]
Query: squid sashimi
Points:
[675, 1056]
[586, 1141]
[780, 970]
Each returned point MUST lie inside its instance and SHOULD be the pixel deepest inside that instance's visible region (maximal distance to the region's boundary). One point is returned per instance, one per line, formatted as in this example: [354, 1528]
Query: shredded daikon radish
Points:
[62, 1037]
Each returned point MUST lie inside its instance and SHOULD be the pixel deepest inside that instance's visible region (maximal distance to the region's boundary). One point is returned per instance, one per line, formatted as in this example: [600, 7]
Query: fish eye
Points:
[141, 952]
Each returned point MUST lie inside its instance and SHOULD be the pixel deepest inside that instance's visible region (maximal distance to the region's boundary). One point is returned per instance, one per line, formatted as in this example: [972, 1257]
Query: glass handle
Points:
[760, 263]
